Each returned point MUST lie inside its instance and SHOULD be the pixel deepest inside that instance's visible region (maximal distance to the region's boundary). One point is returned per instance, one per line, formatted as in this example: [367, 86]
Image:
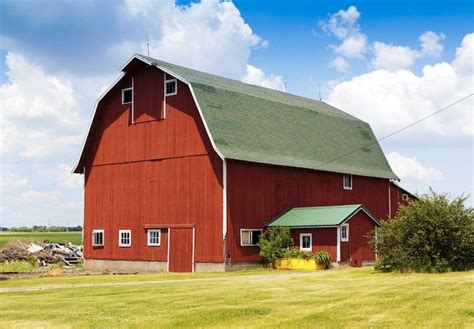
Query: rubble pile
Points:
[44, 253]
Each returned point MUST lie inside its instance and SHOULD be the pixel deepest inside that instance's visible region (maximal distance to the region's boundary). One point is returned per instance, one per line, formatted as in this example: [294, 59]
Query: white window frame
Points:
[302, 235]
[93, 238]
[344, 181]
[123, 94]
[129, 244]
[175, 89]
[249, 230]
[153, 244]
[405, 197]
[346, 239]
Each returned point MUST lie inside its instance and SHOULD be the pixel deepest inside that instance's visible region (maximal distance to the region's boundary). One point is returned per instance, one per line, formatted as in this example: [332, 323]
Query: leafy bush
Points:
[274, 242]
[296, 253]
[323, 258]
[433, 234]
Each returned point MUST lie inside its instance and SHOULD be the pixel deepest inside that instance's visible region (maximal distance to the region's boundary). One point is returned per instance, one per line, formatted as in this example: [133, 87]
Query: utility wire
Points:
[397, 131]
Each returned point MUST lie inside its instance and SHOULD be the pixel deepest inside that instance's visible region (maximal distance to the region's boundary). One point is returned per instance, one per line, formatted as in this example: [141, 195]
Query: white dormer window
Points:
[347, 181]
[171, 87]
[127, 96]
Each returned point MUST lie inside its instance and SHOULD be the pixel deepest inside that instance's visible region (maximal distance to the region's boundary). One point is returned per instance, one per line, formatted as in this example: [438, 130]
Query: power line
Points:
[397, 131]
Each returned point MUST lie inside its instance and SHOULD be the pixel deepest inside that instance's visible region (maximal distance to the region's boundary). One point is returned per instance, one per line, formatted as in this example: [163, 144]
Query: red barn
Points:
[183, 169]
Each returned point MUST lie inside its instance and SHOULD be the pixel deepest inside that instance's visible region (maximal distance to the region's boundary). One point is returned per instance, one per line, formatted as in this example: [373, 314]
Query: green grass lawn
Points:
[344, 298]
[74, 237]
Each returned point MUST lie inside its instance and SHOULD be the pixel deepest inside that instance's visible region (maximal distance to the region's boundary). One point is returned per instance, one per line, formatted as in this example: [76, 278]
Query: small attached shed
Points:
[340, 230]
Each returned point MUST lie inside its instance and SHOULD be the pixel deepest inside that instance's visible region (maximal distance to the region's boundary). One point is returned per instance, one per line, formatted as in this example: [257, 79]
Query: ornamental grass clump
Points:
[433, 234]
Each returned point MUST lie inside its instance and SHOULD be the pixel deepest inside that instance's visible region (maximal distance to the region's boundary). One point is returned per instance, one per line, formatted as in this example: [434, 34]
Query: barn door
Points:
[356, 245]
[181, 250]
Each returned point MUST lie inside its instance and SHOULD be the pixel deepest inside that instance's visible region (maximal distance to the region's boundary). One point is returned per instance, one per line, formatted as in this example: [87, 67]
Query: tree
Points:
[432, 234]
[273, 242]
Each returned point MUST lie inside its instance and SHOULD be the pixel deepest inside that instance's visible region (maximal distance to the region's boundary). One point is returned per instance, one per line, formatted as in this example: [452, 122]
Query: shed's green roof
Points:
[318, 216]
[257, 124]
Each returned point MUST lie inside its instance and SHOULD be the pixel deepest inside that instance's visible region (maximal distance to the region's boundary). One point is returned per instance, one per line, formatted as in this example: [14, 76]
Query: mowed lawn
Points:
[74, 237]
[341, 298]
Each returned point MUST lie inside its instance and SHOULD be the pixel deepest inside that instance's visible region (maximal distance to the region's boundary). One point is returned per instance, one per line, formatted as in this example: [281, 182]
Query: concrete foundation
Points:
[103, 265]
[242, 266]
[209, 267]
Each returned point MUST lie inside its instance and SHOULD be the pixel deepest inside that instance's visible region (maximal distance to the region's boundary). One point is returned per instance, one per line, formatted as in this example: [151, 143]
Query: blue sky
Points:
[388, 63]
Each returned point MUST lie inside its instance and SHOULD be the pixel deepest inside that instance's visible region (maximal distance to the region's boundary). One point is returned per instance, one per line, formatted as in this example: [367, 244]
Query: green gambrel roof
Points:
[318, 216]
[252, 123]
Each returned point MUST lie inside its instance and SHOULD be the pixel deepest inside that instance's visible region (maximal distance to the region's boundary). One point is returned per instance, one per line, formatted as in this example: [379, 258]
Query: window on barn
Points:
[345, 232]
[405, 197]
[125, 238]
[127, 96]
[171, 87]
[98, 238]
[347, 182]
[154, 237]
[306, 241]
[249, 237]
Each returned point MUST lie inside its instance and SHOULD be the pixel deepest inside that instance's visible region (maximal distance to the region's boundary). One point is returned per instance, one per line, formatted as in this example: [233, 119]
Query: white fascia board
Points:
[92, 118]
[137, 56]
[357, 211]
[214, 146]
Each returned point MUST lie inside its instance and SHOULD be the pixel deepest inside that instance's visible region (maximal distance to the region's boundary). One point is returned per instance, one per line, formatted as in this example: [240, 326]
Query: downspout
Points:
[84, 206]
[338, 252]
[224, 208]
[389, 200]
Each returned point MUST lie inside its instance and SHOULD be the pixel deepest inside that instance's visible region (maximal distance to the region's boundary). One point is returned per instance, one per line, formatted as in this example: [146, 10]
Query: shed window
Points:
[306, 241]
[249, 237]
[127, 96]
[347, 182]
[125, 238]
[98, 238]
[345, 232]
[405, 197]
[171, 87]
[154, 237]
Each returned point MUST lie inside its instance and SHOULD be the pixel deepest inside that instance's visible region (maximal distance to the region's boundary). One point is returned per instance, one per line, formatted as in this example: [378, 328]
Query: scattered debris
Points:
[44, 253]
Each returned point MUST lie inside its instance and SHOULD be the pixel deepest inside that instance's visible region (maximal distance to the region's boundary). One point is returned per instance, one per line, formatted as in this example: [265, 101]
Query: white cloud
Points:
[353, 43]
[431, 44]
[409, 169]
[38, 111]
[353, 46]
[31, 196]
[32, 94]
[11, 180]
[255, 76]
[389, 57]
[62, 176]
[340, 64]
[343, 23]
[389, 100]
[209, 35]
[392, 57]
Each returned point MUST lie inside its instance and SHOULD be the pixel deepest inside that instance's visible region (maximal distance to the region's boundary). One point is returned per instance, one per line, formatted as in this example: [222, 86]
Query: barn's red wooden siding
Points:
[256, 193]
[322, 239]
[152, 172]
[357, 250]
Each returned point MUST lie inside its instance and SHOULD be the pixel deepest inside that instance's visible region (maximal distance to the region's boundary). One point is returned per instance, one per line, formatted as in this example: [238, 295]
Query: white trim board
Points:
[214, 146]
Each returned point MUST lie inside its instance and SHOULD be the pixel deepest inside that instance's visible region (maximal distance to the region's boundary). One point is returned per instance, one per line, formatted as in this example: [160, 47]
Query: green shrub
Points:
[273, 243]
[433, 234]
[323, 258]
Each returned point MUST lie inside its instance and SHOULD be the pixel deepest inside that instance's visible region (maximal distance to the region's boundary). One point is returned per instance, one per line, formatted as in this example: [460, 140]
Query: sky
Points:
[388, 63]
